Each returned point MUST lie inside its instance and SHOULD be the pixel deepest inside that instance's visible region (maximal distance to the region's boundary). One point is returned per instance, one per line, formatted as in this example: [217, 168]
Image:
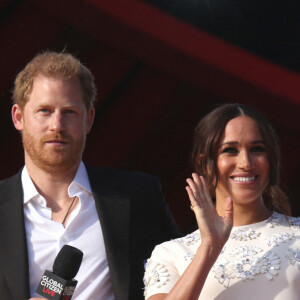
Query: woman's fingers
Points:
[193, 192]
[229, 210]
[198, 184]
[193, 186]
[199, 187]
[191, 195]
[198, 191]
[206, 190]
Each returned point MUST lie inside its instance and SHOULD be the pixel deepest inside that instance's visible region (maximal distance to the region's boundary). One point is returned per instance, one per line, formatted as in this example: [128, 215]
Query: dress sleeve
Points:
[161, 273]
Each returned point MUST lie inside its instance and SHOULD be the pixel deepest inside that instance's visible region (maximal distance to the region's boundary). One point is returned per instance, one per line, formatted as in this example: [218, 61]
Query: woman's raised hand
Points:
[214, 229]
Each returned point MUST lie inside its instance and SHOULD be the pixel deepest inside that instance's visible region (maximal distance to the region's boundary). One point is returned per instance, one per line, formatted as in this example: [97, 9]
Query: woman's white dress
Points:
[259, 261]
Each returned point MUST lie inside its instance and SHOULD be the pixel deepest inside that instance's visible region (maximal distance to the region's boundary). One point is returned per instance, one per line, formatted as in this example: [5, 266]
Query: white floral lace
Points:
[274, 220]
[246, 265]
[294, 257]
[155, 274]
[190, 239]
[294, 222]
[244, 234]
[279, 238]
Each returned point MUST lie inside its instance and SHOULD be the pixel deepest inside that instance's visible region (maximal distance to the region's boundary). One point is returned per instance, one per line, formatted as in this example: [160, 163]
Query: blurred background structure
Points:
[159, 67]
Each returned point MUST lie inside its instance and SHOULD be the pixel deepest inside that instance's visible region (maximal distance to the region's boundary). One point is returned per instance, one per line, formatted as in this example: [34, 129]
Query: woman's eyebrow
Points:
[229, 143]
[236, 143]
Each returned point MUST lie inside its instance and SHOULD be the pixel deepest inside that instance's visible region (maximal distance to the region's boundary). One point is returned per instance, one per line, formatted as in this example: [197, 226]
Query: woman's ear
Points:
[199, 159]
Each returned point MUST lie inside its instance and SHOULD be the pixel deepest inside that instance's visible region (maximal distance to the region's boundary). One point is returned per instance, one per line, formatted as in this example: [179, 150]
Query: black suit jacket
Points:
[133, 216]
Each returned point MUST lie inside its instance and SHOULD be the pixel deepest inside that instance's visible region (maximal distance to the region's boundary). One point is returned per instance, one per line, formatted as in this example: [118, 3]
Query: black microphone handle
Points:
[59, 284]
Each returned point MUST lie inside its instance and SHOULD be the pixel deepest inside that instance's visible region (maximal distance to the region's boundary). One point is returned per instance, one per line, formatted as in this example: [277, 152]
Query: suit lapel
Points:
[113, 211]
[13, 249]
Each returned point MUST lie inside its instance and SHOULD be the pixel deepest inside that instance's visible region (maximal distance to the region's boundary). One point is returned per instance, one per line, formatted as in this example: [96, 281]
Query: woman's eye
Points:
[258, 149]
[230, 150]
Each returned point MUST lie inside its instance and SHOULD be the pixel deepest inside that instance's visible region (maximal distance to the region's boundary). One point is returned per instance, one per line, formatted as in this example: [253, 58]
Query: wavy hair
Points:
[207, 137]
[53, 64]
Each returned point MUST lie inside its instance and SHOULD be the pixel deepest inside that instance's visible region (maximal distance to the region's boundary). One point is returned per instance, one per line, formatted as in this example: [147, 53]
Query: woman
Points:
[247, 245]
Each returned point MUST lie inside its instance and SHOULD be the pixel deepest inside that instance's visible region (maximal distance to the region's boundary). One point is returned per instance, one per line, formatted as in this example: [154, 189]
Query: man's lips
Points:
[60, 142]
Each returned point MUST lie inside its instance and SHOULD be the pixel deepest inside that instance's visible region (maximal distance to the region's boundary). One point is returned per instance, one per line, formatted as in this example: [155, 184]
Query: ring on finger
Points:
[193, 205]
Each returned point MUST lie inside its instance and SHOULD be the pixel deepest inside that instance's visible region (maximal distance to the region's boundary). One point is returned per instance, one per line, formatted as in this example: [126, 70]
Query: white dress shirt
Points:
[46, 237]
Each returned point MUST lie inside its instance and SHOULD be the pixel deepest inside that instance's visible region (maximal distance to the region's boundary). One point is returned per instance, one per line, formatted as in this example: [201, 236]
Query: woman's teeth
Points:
[243, 178]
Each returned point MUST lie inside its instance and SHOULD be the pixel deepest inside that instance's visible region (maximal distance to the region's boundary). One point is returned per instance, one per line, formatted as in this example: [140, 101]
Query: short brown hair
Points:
[207, 137]
[53, 64]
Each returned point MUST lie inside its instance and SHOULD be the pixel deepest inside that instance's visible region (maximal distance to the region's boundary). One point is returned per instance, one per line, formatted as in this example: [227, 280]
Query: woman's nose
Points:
[245, 161]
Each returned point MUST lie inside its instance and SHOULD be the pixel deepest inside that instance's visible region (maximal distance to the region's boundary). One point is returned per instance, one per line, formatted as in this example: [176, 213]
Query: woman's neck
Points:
[246, 214]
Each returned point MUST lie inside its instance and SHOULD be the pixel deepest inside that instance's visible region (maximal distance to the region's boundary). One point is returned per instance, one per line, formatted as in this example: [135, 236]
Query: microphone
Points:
[59, 284]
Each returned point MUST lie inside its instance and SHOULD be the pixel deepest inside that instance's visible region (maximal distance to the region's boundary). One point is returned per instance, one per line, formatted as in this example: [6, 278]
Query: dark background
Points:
[159, 67]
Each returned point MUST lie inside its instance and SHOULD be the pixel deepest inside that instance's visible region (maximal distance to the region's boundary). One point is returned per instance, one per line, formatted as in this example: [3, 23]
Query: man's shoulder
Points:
[4, 183]
[10, 187]
[113, 177]
[121, 174]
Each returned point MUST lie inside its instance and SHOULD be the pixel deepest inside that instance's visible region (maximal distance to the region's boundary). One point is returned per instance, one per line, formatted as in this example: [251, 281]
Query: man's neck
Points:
[53, 186]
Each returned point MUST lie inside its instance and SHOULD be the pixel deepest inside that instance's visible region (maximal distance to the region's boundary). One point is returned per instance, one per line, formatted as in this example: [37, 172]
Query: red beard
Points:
[53, 158]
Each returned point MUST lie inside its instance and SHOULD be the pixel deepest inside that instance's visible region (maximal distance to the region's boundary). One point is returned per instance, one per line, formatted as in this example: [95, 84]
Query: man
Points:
[115, 217]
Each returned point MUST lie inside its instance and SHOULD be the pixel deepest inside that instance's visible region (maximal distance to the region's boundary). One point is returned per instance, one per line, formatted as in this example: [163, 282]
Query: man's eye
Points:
[230, 150]
[69, 111]
[44, 110]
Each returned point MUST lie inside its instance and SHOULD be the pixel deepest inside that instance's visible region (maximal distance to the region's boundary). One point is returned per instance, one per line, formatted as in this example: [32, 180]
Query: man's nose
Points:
[57, 122]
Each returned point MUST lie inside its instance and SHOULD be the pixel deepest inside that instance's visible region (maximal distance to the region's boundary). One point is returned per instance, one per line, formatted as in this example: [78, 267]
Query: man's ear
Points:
[90, 119]
[17, 116]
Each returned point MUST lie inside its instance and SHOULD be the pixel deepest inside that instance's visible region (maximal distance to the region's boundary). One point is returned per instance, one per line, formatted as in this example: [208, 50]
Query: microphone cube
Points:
[54, 287]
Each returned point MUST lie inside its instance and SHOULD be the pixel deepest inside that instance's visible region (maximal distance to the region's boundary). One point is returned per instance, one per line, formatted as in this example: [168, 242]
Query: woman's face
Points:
[243, 164]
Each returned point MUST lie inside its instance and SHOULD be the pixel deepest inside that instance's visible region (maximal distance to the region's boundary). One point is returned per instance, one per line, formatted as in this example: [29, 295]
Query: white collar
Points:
[79, 183]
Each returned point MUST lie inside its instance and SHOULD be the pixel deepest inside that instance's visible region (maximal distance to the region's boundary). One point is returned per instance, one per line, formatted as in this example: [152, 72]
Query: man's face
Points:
[54, 124]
